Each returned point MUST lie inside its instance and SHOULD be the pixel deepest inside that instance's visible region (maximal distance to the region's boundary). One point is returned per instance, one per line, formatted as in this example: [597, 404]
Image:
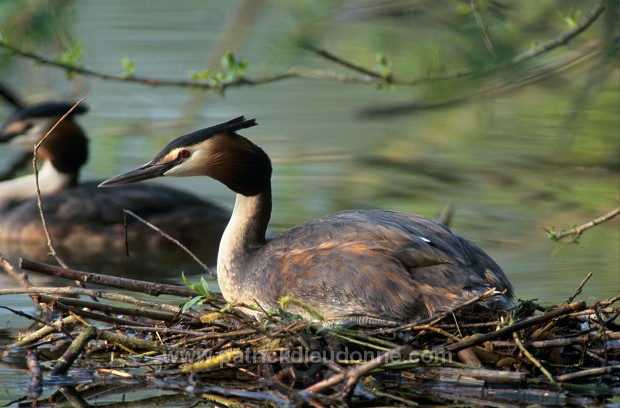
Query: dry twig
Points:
[168, 237]
[50, 242]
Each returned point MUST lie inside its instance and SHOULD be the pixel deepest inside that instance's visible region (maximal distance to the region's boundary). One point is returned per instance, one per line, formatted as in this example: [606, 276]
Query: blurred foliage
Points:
[36, 23]
[470, 44]
[452, 51]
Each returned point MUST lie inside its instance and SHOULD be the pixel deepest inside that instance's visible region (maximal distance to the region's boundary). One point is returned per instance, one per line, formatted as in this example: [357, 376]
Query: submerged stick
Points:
[35, 385]
[71, 354]
[452, 374]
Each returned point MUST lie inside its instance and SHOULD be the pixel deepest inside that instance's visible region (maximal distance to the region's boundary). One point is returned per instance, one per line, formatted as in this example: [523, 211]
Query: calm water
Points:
[511, 165]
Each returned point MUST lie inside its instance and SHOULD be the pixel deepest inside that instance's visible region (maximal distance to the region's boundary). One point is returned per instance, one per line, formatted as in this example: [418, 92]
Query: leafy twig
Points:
[502, 86]
[564, 37]
[575, 233]
[348, 64]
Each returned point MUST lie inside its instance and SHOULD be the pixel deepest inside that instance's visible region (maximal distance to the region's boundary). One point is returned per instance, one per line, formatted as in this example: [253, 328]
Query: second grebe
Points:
[86, 222]
[351, 266]
[62, 157]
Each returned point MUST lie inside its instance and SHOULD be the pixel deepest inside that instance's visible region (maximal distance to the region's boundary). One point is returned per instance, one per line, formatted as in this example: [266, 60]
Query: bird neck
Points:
[66, 148]
[244, 234]
[50, 181]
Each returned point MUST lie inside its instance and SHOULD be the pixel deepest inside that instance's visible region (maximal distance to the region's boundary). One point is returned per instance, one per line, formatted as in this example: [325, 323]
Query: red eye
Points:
[184, 154]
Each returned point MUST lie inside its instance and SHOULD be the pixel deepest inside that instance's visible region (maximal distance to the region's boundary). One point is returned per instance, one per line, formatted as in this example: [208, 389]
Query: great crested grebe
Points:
[63, 156]
[87, 222]
[351, 266]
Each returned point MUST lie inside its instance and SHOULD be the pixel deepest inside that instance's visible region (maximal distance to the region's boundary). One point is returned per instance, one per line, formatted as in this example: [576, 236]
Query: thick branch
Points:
[117, 297]
[151, 288]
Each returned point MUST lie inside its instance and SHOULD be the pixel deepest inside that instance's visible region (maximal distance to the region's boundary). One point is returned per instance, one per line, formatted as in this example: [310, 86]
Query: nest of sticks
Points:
[98, 345]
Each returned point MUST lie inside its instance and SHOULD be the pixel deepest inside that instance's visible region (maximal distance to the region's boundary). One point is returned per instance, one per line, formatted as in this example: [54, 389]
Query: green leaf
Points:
[384, 70]
[235, 67]
[195, 300]
[382, 66]
[72, 56]
[201, 287]
[572, 19]
[464, 10]
[228, 60]
[200, 76]
[129, 67]
[551, 233]
[185, 281]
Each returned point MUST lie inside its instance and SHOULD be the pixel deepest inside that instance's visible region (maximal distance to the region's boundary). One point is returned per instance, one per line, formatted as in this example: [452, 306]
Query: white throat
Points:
[50, 182]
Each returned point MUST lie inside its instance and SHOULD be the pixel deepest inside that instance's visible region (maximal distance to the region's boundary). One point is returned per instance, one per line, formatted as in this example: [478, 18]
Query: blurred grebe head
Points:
[352, 266]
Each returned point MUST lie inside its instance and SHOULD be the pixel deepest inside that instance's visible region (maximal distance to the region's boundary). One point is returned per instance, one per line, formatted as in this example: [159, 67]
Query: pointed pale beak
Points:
[146, 172]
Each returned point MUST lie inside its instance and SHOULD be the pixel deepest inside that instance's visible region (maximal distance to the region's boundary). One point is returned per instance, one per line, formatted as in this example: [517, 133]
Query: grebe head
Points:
[66, 147]
[217, 152]
[26, 126]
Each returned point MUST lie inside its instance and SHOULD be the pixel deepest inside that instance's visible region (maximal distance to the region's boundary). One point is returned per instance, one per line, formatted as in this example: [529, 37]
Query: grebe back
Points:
[351, 266]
